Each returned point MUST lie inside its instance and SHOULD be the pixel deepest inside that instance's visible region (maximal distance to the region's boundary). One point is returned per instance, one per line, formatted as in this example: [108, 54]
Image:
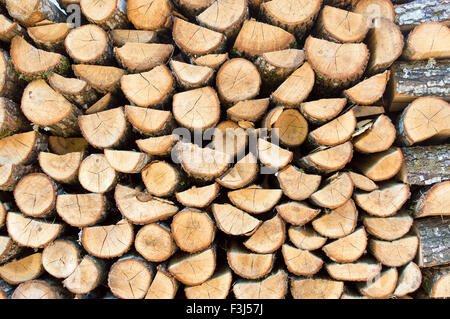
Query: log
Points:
[367, 111]
[22, 148]
[23, 269]
[11, 118]
[214, 61]
[301, 262]
[296, 184]
[347, 249]
[8, 249]
[382, 287]
[142, 208]
[430, 10]
[198, 197]
[82, 210]
[28, 13]
[87, 276]
[274, 286]
[250, 110]
[50, 37]
[190, 76]
[10, 82]
[255, 199]
[269, 236]
[362, 182]
[436, 282]
[60, 145]
[9, 29]
[381, 166]
[323, 110]
[388, 228]
[61, 257]
[363, 270]
[241, 174]
[161, 145]
[149, 122]
[128, 162]
[230, 138]
[108, 15]
[297, 213]
[272, 155]
[247, 264]
[96, 175]
[121, 36]
[395, 253]
[233, 221]
[61, 168]
[305, 237]
[149, 15]
[409, 280]
[31, 232]
[428, 40]
[39, 289]
[108, 241]
[142, 57]
[334, 132]
[336, 191]
[161, 178]
[375, 136]
[316, 288]
[163, 286]
[327, 159]
[432, 233]
[373, 9]
[337, 223]
[217, 287]
[368, 91]
[155, 242]
[430, 201]
[104, 79]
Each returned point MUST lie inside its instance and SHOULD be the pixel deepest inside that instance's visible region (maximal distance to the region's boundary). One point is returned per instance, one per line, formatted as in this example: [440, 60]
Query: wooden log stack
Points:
[225, 149]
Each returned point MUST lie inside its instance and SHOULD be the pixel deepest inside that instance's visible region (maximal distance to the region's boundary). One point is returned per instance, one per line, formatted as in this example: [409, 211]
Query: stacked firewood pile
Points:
[224, 149]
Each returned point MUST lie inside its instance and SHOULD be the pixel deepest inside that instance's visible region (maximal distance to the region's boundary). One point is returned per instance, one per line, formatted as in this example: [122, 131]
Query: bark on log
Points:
[431, 201]
[433, 236]
[29, 13]
[436, 282]
[10, 174]
[8, 249]
[411, 14]
[10, 82]
[11, 118]
[428, 40]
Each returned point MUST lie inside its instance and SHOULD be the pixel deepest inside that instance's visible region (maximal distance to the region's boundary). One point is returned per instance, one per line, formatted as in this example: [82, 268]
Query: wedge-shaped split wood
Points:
[126, 161]
[155, 242]
[81, 210]
[163, 286]
[74, 90]
[296, 184]
[323, 110]
[268, 237]
[233, 221]
[274, 286]
[395, 253]
[149, 121]
[362, 270]
[334, 132]
[347, 249]
[316, 288]
[108, 15]
[428, 40]
[160, 146]
[120, 37]
[191, 76]
[336, 191]
[381, 287]
[96, 175]
[381, 166]
[104, 79]
[241, 174]
[255, 199]
[301, 262]
[384, 9]
[337, 223]
[86, 277]
[327, 160]
[370, 90]
[388, 228]
[305, 237]
[436, 281]
[433, 235]
[21, 148]
[409, 280]
[376, 136]
[198, 197]
[61, 168]
[273, 155]
[63, 145]
[247, 264]
[432, 201]
[214, 61]
[141, 57]
[217, 287]
[23, 269]
[149, 15]
[61, 257]
[297, 213]
[249, 110]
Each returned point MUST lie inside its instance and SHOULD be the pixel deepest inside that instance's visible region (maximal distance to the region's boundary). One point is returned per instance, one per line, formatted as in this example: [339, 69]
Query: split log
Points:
[385, 201]
[130, 277]
[349, 60]
[362, 182]
[31, 232]
[193, 269]
[424, 119]
[82, 210]
[61, 168]
[190, 76]
[410, 80]
[347, 249]
[152, 88]
[241, 174]
[250, 110]
[33, 63]
[247, 264]
[272, 155]
[327, 160]
[50, 37]
[96, 175]
[297, 213]
[10, 82]
[334, 132]
[214, 61]
[274, 286]
[269, 236]
[155, 242]
[142, 208]
[375, 136]
[381, 166]
[193, 230]
[296, 184]
[60, 145]
[128, 162]
[233, 221]
[28, 13]
[367, 110]
[336, 191]
[431, 201]
[436, 281]
[108, 15]
[381, 287]
[149, 121]
[368, 91]
[61, 257]
[163, 286]
[228, 137]
[305, 237]
[87, 276]
[108, 241]
[142, 57]
[337, 223]
[9, 29]
[197, 108]
[161, 178]
[39, 289]
[385, 42]
[217, 287]
[255, 199]
[104, 79]
[341, 26]
[430, 10]
[388, 228]
[428, 40]
[316, 288]
[433, 235]
[301, 262]
[323, 110]
[362, 270]
[373, 9]
[23, 269]
[409, 280]
[11, 118]
[149, 15]
[160, 146]
[22, 148]
[198, 197]
[193, 8]
[256, 38]
[8, 249]
[121, 36]
[395, 253]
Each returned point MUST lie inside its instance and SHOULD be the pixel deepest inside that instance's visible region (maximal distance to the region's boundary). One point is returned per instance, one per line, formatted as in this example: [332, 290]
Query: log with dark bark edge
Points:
[323, 110]
[10, 174]
[198, 197]
[316, 288]
[431, 201]
[121, 36]
[82, 210]
[255, 199]
[9, 29]
[381, 287]
[105, 129]
[305, 237]
[388, 228]
[66, 3]
[224, 16]
[149, 122]
[142, 57]
[341, 26]
[349, 61]
[233, 221]
[297, 213]
[372, 9]
[31, 232]
[35, 195]
[214, 61]
[374, 136]
[108, 241]
[368, 91]
[32, 63]
[161, 178]
[96, 175]
[409, 280]
[273, 155]
[10, 82]
[28, 13]
[365, 269]
[6, 290]
[424, 119]
[385, 42]
[193, 269]
[163, 285]
[88, 275]
[61, 257]
[142, 208]
[61, 168]
[8, 249]
[362, 182]
[296, 88]
[256, 38]
[152, 88]
[23, 269]
[50, 36]
[247, 264]
[191, 76]
[128, 162]
[241, 174]
[192, 8]
[335, 192]
[395, 253]
[197, 108]
[155, 242]
[250, 110]
[60, 145]
[149, 15]
[161, 145]
[327, 160]
[381, 166]
[11, 118]
[433, 236]
[334, 132]
[385, 201]
[273, 286]
[410, 80]
[301, 262]
[430, 10]
[428, 40]
[269, 236]
[337, 223]
[436, 281]
[104, 79]
[39, 289]
[349, 248]
[296, 184]
[217, 287]
[108, 15]
[228, 137]
[22, 148]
